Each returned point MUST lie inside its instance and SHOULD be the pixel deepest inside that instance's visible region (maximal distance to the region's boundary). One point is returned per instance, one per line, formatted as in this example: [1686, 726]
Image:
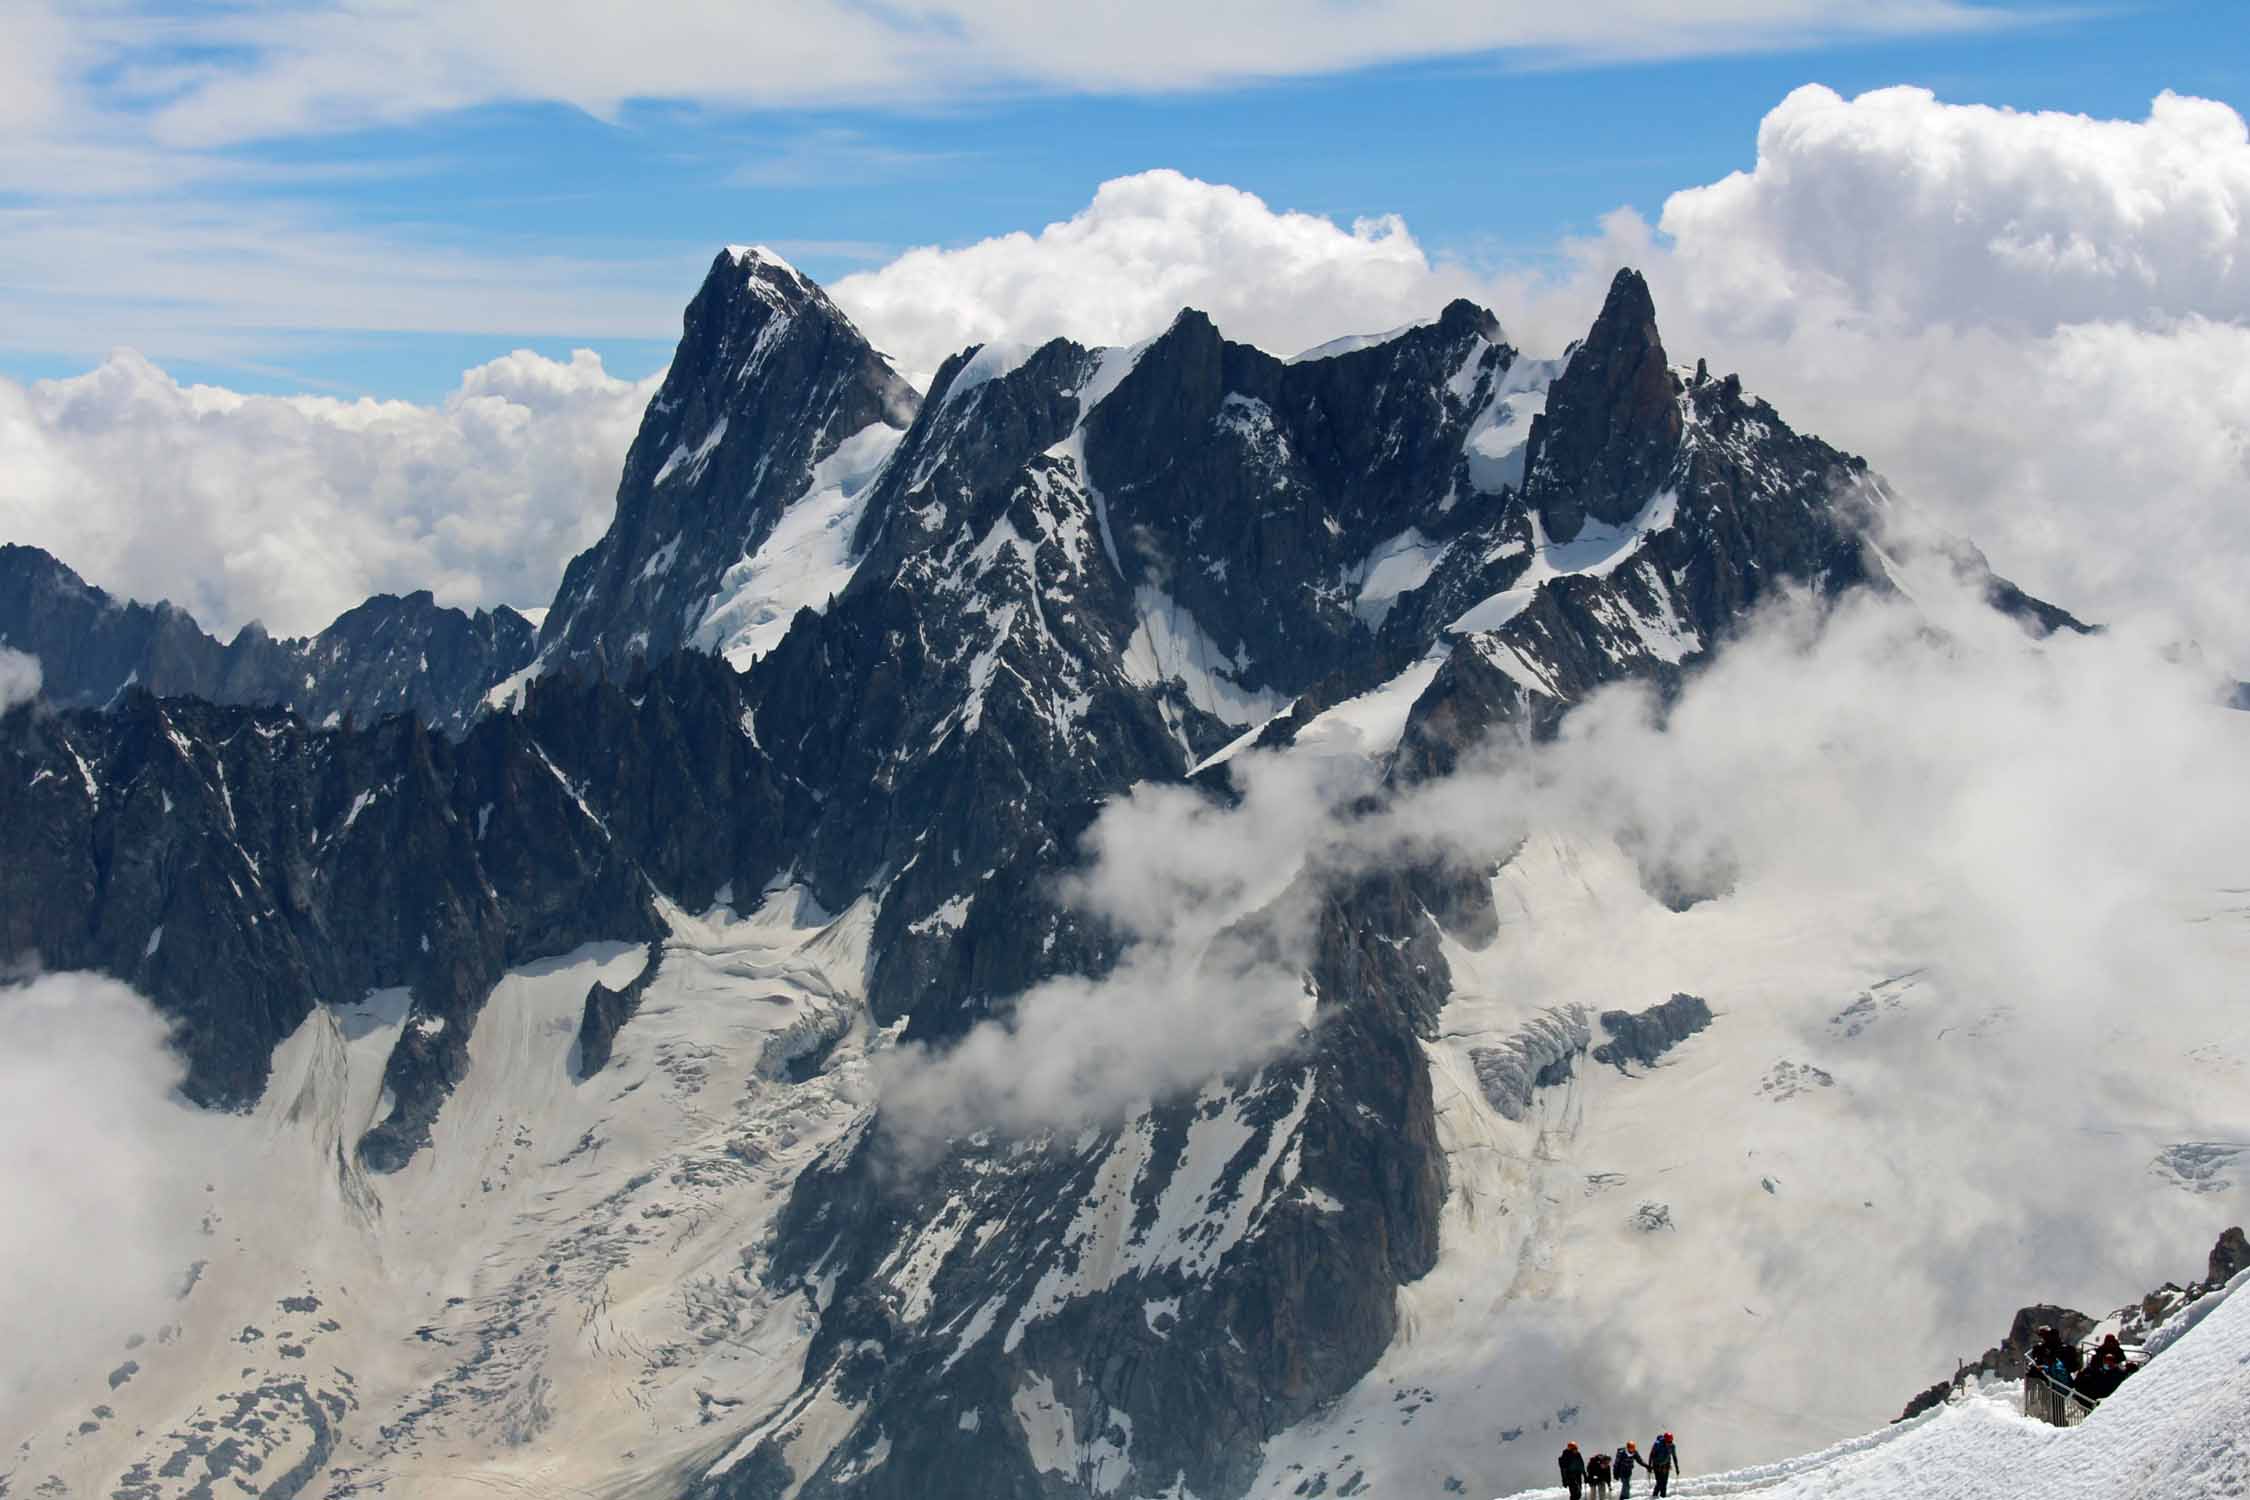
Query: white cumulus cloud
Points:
[2037, 324]
[1910, 211]
[2025, 822]
[1145, 247]
[293, 509]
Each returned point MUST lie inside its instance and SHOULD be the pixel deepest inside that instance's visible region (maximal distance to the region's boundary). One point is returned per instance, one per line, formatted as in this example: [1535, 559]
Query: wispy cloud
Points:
[229, 280]
[211, 76]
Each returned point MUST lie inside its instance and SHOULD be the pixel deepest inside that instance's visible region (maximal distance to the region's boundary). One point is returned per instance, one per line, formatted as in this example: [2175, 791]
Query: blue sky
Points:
[1491, 156]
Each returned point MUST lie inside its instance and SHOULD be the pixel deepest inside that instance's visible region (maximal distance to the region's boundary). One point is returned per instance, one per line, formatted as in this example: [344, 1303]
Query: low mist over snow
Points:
[110, 1178]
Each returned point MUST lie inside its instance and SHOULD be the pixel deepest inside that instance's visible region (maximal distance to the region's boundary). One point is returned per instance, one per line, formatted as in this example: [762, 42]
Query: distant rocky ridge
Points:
[391, 655]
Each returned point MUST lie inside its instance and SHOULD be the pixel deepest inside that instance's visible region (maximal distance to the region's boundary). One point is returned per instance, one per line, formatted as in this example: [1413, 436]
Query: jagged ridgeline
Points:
[860, 665]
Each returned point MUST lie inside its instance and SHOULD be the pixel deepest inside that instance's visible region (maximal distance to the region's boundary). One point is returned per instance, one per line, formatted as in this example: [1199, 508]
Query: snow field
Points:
[804, 561]
[555, 1293]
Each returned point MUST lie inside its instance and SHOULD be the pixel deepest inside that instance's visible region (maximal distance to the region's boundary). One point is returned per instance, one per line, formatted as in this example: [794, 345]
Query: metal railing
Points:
[2053, 1400]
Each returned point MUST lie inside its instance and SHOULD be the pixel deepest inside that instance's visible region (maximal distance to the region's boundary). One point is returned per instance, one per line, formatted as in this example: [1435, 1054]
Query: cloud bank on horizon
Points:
[291, 509]
[2034, 323]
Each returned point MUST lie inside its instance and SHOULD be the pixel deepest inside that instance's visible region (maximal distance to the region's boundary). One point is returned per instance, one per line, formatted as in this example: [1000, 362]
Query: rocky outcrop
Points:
[391, 655]
[240, 867]
[2230, 1257]
[2132, 1323]
[608, 1010]
[1538, 1056]
[1612, 427]
[1643, 1037]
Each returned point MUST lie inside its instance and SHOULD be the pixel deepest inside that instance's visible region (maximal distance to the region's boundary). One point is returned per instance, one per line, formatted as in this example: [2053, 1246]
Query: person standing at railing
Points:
[2105, 1372]
[2052, 1356]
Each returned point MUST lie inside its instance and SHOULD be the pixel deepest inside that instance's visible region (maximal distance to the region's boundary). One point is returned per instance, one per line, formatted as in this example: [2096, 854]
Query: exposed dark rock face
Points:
[387, 656]
[1645, 1036]
[769, 380]
[240, 868]
[1254, 1333]
[608, 1010]
[1612, 424]
[2230, 1257]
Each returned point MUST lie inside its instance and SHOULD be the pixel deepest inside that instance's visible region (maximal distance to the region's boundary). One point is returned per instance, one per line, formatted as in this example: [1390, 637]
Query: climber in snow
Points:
[1663, 1458]
[1597, 1476]
[1573, 1464]
[1622, 1465]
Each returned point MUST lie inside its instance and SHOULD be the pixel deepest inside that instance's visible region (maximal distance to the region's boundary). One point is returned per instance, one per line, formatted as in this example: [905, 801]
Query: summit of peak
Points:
[1461, 316]
[761, 255]
[1628, 313]
[1611, 424]
[756, 271]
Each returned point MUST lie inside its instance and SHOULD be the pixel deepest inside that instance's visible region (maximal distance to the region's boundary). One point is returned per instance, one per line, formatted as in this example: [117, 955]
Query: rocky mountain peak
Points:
[1464, 318]
[1612, 426]
[769, 381]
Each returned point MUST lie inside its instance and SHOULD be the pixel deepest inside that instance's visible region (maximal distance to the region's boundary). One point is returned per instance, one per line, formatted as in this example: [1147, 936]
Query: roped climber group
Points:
[1582, 1476]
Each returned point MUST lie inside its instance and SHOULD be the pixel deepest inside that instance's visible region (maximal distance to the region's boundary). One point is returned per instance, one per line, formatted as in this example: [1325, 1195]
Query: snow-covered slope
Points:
[562, 1292]
[2176, 1431]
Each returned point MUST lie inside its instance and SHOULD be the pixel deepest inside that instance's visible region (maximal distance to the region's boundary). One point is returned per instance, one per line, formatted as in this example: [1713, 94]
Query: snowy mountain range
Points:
[602, 1008]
